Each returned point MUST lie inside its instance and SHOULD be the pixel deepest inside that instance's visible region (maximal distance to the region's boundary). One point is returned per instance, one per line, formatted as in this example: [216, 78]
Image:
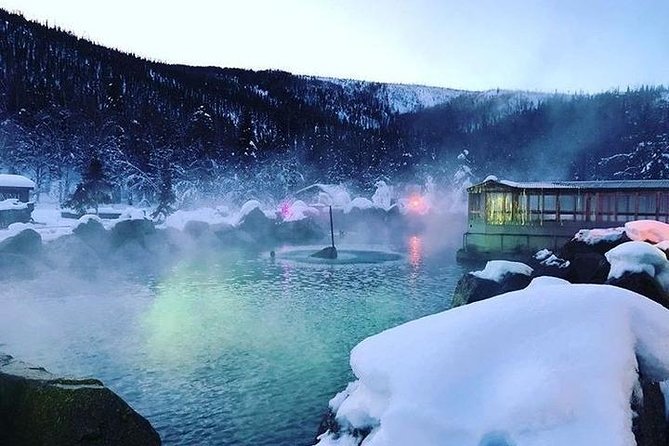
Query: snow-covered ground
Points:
[553, 364]
[12, 204]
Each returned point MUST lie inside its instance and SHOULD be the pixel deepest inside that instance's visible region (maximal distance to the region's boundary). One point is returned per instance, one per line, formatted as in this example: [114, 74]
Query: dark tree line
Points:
[65, 102]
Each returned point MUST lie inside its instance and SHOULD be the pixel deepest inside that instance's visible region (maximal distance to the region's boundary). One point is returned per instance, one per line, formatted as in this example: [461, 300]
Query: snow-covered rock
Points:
[26, 241]
[639, 257]
[498, 277]
[495, 270]
[594, 236]
[647, 230]
[553, 364]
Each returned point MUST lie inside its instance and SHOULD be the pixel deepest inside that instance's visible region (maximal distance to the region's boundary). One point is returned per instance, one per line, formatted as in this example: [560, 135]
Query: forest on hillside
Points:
[67, 105]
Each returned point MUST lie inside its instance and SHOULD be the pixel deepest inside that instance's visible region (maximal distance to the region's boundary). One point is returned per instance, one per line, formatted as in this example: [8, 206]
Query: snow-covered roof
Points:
[599, 184]
[7, 180]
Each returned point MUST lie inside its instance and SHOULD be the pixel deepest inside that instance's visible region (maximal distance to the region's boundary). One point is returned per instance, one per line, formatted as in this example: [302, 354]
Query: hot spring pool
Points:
[227, 350]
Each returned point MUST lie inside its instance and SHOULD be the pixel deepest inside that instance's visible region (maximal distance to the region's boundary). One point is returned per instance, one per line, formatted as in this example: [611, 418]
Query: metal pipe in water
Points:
[331, 228]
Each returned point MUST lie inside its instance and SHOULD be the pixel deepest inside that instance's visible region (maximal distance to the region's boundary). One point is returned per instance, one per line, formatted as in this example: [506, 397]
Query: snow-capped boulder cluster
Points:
[553, 364]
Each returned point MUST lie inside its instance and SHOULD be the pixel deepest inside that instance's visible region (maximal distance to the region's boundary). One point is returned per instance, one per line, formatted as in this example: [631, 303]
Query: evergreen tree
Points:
[93, 190]
[166, 197]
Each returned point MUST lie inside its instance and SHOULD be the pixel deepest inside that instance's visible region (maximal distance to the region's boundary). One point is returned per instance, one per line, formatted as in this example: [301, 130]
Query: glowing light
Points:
[417, 204]
[286, 210]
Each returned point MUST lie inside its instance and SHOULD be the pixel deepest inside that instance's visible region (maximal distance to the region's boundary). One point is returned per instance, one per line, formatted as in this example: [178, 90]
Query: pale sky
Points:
[568, 45]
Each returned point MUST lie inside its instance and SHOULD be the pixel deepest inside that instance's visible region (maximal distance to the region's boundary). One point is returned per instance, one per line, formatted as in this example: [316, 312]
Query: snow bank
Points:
[213, 216]
[297, 210]
[497, 269]
[647, 230]
[383, 196]
[179, 218]
[337, 196]
[553, 364]
[639, 257]
[12, 204]
[358, 203]
[594, 236]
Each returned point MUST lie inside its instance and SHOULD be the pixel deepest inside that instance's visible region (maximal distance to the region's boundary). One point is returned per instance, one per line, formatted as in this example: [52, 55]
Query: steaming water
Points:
[228, 350]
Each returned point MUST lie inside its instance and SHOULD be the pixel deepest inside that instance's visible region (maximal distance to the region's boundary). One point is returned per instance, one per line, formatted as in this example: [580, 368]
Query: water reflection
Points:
[415, 251]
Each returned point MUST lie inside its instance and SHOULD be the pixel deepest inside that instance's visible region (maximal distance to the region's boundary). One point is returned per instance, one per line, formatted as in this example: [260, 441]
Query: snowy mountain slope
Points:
[409, 98]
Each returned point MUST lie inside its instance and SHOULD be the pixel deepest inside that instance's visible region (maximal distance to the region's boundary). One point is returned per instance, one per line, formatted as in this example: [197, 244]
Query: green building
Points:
[508, 217]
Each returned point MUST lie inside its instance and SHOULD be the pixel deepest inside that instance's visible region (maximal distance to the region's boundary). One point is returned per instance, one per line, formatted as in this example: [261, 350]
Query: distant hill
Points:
[65, 100]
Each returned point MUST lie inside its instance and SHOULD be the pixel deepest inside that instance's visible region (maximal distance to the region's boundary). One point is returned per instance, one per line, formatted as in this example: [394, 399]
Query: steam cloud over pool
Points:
[226, 348]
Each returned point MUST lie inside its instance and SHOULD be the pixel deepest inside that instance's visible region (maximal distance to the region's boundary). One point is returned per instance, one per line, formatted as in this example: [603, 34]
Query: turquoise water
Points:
[227, 349]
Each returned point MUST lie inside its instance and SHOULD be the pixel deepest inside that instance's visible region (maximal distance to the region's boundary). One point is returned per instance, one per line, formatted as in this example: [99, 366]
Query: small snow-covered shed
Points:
[15, 205]
[508, 216]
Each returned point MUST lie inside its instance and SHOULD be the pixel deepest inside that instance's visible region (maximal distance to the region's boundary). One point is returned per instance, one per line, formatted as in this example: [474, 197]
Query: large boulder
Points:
[473, 289]
[258, 226]
[642, 283]
[300, 231]
[545, 263]
[38, 408]
[231, 237]
[16, 266]
[90, 231]
[582, 245]
[196, 229]
[90, 227]
[83, 258]
[642, 268]
[589, 267]
[498, 277]
[584, 267]
[27, 242]
[132, 230]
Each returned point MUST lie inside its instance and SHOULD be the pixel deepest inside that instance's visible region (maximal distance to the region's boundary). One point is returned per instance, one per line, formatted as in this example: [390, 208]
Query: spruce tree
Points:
[93, 189]
[166, 197]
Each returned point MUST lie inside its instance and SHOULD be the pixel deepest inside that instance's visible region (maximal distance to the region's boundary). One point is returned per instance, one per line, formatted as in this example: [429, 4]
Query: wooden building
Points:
[15, 204]
[512, 217]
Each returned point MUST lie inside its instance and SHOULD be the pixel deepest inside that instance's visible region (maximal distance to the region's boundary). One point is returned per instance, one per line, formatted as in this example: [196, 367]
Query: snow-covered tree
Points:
[93, 190]
[166, 195]
[648, 160]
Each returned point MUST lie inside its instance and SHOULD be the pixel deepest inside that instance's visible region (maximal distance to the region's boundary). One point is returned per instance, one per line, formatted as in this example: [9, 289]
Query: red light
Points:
[417, 204]
[286, 210]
